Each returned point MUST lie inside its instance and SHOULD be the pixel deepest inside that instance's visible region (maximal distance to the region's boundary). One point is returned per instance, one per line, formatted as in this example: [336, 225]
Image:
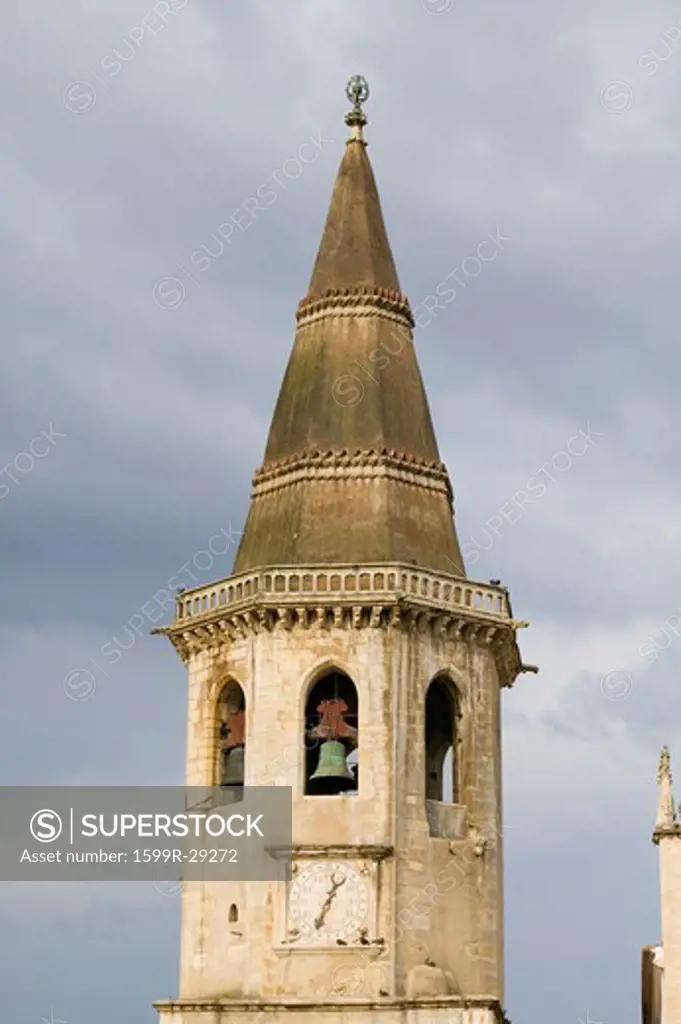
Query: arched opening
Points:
[233, 915]
[231, 736]
[331, 736]
[441, 768]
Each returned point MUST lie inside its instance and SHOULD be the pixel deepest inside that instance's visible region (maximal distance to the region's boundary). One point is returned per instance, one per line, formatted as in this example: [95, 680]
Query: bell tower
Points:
[350, 658]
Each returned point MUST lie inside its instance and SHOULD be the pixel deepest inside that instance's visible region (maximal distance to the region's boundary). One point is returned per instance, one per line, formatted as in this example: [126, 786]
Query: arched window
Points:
[231, 735]
[441, 769]
[331, 736]
[233, 916]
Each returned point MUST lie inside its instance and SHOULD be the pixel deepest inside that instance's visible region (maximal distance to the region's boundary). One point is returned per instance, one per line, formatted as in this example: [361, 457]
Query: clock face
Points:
[328, 901]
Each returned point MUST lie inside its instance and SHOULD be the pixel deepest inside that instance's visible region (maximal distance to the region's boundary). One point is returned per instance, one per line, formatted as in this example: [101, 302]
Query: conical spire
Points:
[665, 801]
[354, 251]
[352, 471]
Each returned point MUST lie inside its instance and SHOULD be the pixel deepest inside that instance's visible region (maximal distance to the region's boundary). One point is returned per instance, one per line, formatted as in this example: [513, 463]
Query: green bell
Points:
[233, 767]
[332, 774]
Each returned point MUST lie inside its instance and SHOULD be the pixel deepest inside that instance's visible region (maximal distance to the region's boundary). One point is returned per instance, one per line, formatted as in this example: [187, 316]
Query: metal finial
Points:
[357, 91]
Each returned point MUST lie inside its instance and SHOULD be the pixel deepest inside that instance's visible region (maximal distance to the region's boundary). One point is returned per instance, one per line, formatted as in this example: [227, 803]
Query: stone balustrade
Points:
[345, 583]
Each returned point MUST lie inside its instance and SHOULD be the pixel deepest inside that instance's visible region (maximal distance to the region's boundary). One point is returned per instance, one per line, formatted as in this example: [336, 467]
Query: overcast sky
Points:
[127, 143]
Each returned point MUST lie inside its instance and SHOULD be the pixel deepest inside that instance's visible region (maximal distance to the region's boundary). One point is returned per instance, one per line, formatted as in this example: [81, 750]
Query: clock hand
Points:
[326, 905]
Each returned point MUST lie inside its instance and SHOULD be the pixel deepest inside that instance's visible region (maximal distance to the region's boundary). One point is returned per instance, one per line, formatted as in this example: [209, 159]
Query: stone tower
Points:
[662, 980]
[349, 657]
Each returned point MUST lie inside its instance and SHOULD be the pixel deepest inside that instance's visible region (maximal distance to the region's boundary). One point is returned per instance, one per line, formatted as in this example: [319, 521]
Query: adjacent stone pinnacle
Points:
[664, 770]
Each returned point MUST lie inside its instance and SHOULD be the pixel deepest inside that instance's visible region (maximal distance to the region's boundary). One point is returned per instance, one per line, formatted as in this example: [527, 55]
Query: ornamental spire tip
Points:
[357, 91]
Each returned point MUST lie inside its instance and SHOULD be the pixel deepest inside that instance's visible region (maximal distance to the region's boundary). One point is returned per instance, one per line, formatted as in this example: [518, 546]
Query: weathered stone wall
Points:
[458, 885]
[670, 881]
[438, 898]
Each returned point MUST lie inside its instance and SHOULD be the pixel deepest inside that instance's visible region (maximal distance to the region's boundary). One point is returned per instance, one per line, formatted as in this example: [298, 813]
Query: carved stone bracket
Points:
[286, 617]
[375, 616]
[479, 841]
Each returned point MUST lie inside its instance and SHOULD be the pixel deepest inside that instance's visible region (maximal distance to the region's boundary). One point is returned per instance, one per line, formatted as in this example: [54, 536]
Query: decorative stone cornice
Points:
[368, 464]
[193, 638]
[382, 596]
[324, 852]
[668, 832]
[385, 302]
[473, 1009]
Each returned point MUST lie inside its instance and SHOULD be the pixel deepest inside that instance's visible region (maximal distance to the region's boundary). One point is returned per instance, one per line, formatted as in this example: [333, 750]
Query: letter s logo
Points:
[46, 826]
